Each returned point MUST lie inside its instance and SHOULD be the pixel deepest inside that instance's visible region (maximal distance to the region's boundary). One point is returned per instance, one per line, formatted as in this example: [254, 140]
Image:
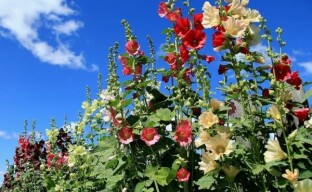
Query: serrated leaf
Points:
[257, 169]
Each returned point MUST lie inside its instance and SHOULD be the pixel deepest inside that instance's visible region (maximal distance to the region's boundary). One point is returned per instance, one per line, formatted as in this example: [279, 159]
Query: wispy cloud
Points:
[263, 50]
[22, 20]
[298, 52]
[307, 66]
[7, 136]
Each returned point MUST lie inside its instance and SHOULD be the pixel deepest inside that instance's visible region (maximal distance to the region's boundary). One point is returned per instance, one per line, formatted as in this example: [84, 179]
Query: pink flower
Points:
[150, 136]
[132, 47]
[183, 133]
[125, 135]
[174, 15]
[183, 175]
[302, 114]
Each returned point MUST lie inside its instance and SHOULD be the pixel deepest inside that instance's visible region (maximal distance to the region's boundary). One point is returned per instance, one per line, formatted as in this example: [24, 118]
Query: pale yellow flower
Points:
[52, 134]
[274, 152]
[207, 163]
[237, 8]
[202, 138]
[308, 124]
[303, 186]
[219, 145]
[215, 104]
[211, 16]
[231, 171]
[234, 27]
[286, 95]
[291, 176]
[273, 111]
[243, 2]
[207, 119]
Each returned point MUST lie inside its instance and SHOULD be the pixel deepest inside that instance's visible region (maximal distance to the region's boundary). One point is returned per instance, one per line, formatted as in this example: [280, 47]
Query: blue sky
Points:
[52, 49]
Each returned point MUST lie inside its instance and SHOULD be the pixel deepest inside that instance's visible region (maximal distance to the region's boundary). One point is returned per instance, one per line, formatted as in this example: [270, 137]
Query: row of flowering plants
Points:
[170, 128]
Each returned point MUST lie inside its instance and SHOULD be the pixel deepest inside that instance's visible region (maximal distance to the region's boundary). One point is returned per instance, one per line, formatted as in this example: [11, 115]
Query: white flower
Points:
[207, 119]
[251, 16]
[106, 115]
[211, 16]
[107, 96]
[203, 137]
[274, 152]
[234, 27]
[291, 176]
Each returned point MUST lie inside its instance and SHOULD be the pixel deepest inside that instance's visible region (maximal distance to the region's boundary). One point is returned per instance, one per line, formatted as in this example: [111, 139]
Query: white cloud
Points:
[300, 53]
[68, 27]
[7, 136]
[307, 66]
[22, 20]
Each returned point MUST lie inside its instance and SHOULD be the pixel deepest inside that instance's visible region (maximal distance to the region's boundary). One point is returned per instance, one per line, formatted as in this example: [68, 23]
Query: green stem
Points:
[156, 185]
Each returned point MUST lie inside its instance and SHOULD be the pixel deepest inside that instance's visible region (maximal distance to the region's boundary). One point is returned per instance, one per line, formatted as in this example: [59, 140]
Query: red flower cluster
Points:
[133, 49]
[283, 73]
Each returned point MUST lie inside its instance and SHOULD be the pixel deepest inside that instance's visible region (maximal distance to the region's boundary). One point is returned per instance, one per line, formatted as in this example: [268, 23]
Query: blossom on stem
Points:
[207, 119]
[163, 9]
[274, 152]
[183, 175]
[303, 186]
[125, 135]
[194, 39]
[302, 114]
[183, 133]
[181, 27]
[203, 137]
[211, 16]
[132, 47]
[291, 176]
[234, 27]
[207, 162]
[219, 145]
[150, 136]
[218, 40]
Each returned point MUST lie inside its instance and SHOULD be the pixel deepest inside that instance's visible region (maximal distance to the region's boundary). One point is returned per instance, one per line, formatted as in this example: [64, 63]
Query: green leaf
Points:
[205, 182]
[306, 174]
[162, 175]
[307, 95]
[150, 171]
[257, 169]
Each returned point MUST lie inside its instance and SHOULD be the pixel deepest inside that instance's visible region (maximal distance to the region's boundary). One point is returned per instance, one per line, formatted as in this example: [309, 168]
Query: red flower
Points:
[198, 19]
[183, 133]
[184, 54]
[285, 60]
[138, 70]
[280, 71]
[181, 27]
[132, 47]
[183, 175]
[222, 69]
[165, 79]
[293, 79]
[265, 93]
[187, 75]
[174, 15]
[209, 58]
[125, 135]
[150, 136]
[302, 114]
[123, 60]
[194, 39]
[163, 9]
[24, 143]
[218, 39]
[126, 70]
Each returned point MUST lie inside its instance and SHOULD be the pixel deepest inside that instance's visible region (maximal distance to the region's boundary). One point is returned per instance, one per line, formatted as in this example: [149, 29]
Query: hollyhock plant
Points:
[183, 133]
[198, 132]
[150, 136]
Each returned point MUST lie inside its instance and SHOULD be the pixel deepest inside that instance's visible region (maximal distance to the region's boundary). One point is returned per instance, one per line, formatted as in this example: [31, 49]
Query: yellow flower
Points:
[215, 104]
[274, 152]
[52, 134]
[303, 186]
[237, 8]
[231, 171]
[211, 16]
[219, 145]
[274, 113]
[234, 27]
[207, 119]
[207, 163]
[291, 176]
[202, 138]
